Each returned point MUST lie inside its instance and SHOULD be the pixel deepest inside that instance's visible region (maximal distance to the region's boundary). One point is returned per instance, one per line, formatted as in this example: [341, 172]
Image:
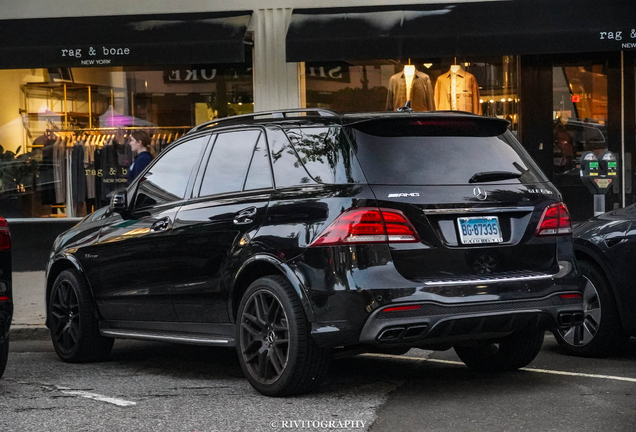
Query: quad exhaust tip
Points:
[569, 319]
[395, 334]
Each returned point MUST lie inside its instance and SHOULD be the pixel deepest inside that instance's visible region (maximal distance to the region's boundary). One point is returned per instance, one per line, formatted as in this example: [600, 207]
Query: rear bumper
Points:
[435, 323]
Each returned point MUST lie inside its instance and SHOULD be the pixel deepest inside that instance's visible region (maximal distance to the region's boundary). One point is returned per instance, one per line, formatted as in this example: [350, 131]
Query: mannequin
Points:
[457, 90]
[413, 85]
[409, 73]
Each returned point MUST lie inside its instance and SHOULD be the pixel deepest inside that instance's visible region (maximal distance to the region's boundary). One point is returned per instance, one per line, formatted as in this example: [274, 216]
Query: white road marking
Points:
[98, 397]
[545, 371]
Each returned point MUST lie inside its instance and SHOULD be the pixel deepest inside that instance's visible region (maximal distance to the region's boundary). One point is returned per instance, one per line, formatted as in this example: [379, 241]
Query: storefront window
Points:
[64, 132]
[486, 86]
[579, 113]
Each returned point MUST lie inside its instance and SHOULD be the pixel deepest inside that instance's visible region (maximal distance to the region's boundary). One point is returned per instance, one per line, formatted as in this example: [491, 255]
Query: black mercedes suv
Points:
[295, 234]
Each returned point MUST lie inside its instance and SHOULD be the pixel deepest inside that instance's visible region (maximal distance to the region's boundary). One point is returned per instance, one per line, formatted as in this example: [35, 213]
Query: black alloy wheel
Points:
[74, 328]
[65, 317]
[276, 351]
[601, 332]
[265, 336]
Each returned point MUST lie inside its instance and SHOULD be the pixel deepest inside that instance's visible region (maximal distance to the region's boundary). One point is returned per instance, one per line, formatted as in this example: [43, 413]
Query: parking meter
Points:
[597, 174]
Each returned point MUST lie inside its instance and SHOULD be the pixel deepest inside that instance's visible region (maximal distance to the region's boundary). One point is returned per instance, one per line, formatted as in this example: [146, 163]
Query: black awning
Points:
[462, 29]
[200, 38]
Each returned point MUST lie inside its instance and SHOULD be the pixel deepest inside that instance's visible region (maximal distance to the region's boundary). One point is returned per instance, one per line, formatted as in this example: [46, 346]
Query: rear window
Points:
[413, 155]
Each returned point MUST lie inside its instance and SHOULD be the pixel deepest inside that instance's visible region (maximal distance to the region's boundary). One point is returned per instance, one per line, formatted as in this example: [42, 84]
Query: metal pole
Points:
[599, 204]
[90, 110]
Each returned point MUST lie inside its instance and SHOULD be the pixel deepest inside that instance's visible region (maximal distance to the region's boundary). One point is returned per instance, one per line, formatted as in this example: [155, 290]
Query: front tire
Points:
[601, 333]
[74, 328]
[275, 348]
[511, 353]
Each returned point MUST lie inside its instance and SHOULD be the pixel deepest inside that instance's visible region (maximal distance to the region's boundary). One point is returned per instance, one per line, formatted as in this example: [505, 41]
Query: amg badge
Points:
[404, 195]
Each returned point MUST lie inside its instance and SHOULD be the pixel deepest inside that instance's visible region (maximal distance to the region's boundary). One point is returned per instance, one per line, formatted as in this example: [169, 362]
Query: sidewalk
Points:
[29, 306]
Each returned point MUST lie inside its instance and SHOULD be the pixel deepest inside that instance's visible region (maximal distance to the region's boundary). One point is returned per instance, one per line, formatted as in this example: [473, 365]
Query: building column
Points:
[276, 83]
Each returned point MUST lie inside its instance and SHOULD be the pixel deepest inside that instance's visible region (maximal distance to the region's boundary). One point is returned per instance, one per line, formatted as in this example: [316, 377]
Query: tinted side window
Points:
[260, 172]
[228, 162]
[167, 179]
[288, 170]
[326, 154]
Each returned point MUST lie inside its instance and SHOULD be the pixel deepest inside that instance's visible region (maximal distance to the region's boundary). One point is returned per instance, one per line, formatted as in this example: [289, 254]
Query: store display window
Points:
[483, 86]
[64, 132]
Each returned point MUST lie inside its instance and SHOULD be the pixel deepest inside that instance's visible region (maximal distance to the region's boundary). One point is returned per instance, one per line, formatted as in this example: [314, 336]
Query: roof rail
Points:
[286, 113]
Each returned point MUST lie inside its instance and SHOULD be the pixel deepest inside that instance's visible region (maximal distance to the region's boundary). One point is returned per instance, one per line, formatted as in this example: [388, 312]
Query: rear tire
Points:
[511, 353]
[276, 351]
[4, 355]
[601, 333]
[74, 328]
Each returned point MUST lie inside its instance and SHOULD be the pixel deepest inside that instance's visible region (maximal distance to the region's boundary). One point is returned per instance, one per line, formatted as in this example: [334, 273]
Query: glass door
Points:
[579, 124]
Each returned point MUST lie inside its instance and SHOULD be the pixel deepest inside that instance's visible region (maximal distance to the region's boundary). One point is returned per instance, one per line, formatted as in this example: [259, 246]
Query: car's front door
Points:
[214, 228]
[136, 250]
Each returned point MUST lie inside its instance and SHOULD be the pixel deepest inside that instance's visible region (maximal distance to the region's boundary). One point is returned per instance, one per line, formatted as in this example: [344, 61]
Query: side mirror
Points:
[119, 201]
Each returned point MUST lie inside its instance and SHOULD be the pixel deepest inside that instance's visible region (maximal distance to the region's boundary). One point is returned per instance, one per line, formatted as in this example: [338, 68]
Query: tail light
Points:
[555, 220]
[5, 235]
[368, 225]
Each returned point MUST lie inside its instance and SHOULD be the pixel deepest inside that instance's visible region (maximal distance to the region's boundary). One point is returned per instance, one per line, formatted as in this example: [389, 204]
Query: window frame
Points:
[198, 182]
[133, 190]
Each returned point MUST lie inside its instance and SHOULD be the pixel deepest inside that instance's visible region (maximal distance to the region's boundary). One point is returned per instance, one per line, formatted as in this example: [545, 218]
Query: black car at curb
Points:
[6, 303]
[291, 235]
[604, 248]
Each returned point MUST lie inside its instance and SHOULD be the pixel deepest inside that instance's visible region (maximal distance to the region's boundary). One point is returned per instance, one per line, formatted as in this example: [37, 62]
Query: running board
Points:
[191, 339]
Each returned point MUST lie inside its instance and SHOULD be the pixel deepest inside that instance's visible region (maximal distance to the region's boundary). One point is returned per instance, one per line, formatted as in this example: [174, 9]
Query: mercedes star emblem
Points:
[480, 193]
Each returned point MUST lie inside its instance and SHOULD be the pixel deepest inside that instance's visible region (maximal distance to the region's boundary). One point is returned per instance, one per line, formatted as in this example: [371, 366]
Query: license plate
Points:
[478, 230]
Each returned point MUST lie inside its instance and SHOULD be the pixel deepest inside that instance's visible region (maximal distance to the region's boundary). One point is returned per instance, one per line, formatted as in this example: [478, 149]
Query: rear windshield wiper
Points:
[487, 176]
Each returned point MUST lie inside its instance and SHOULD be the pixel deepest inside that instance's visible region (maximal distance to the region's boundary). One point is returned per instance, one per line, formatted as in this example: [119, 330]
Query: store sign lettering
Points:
[192, 75]
[319, 72]
[619, 35]
[92, 51]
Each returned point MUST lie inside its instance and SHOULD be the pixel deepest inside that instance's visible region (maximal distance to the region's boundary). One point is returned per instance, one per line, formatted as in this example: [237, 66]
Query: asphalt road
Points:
[161, 387]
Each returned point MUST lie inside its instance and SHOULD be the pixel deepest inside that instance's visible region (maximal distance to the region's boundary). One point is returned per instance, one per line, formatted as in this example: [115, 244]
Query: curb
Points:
[17, 333]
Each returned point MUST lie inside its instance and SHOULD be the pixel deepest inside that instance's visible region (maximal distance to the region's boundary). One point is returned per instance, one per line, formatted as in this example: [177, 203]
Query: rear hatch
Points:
[471, 191]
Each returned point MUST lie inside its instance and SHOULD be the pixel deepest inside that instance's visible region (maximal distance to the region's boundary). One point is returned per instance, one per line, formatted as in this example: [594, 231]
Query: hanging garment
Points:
[421, 95]
[46, 174]
[59, 170]
[89, 168]
[457, 91]
[78, 175]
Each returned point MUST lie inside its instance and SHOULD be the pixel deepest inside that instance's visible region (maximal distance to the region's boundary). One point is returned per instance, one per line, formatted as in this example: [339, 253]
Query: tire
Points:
[74, 328]
[276, 351]
[4, 355]
[513, 352]
[601, 333]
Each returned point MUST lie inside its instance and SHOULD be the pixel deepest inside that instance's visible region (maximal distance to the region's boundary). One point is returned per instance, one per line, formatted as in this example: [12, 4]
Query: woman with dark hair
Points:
[140, 144]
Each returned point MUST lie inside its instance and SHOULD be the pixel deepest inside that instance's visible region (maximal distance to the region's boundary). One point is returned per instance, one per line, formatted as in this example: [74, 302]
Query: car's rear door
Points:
[214, 228]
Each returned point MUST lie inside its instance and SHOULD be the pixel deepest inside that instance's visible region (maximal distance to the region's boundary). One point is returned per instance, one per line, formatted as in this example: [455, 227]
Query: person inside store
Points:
[140, 145]
[564, 144]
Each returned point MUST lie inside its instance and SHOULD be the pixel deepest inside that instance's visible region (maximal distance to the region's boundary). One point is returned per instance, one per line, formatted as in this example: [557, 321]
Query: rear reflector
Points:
[4, 299]
[555, 220]
[569, 296]
[368, 225]
[401, 308]
[5, 235]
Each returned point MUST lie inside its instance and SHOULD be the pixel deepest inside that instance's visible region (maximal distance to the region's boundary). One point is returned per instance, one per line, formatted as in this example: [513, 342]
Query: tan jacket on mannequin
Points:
[421, 96]
[466, 92]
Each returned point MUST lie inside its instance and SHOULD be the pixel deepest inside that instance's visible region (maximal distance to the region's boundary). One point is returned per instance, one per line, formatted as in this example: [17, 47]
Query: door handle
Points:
[245, 216]
[161, 225]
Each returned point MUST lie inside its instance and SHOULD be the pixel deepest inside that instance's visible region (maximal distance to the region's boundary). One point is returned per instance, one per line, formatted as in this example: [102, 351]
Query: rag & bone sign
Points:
[88, 54]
